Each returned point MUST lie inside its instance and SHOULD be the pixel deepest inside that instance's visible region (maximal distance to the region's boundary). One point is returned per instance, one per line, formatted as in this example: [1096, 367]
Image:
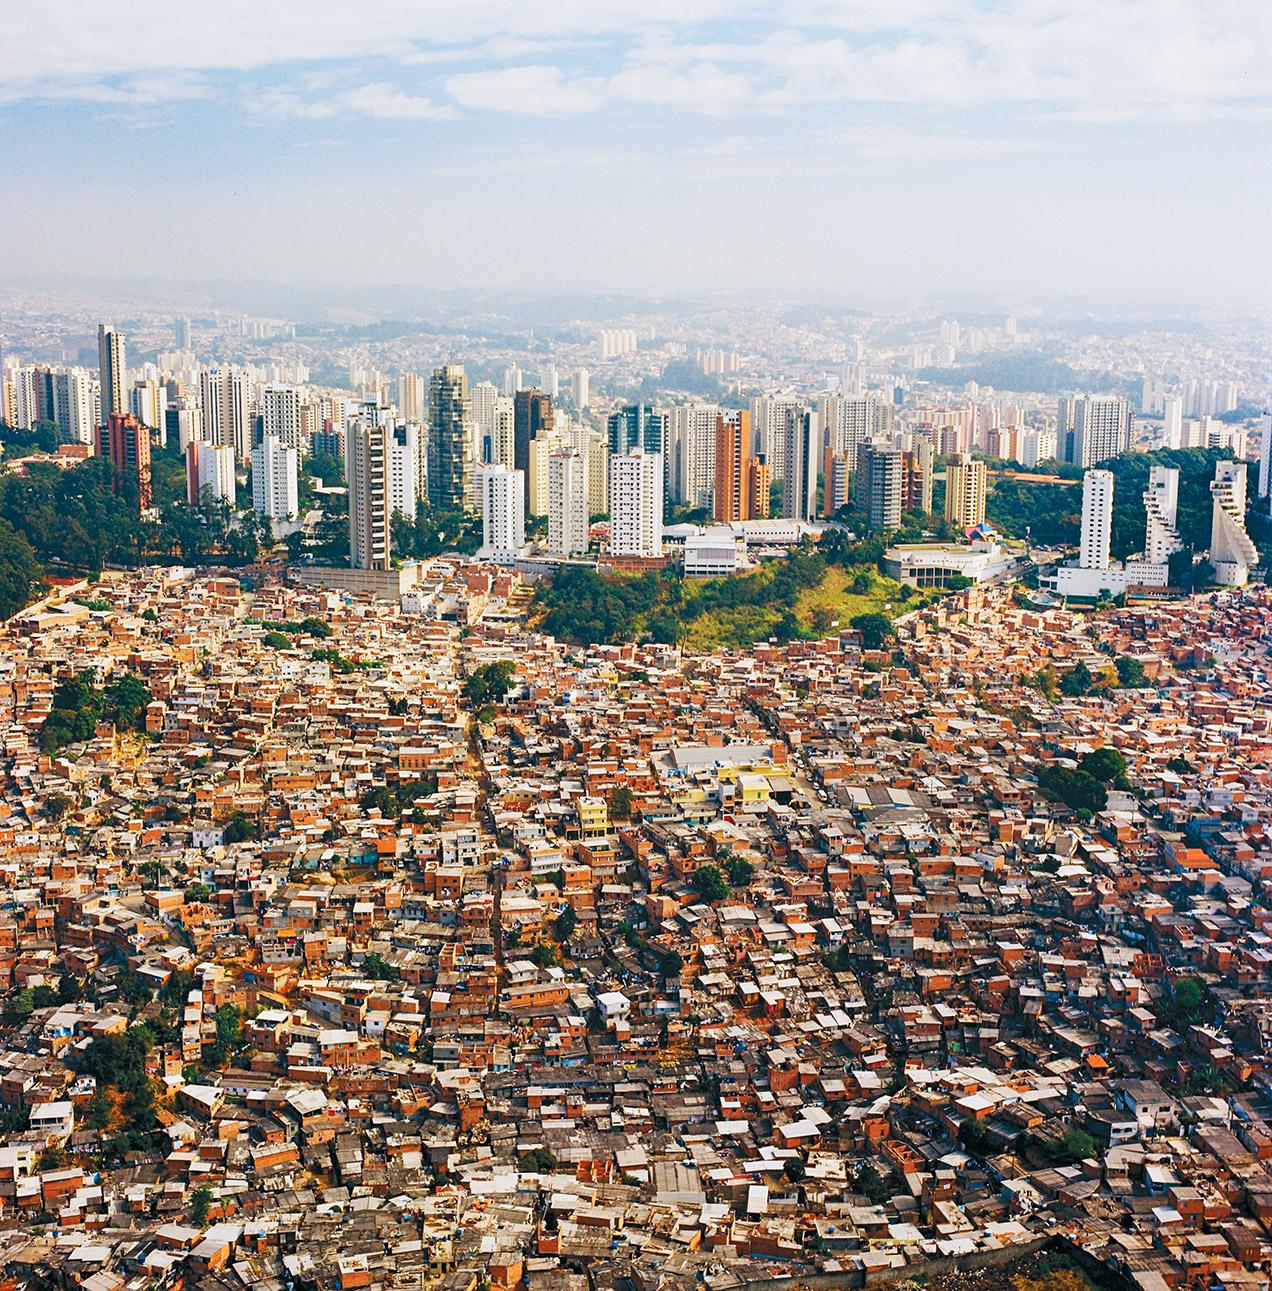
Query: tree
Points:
[375, 965]
[539, 1161]
[1077, 681]
[229, 1032]
[710, 882]
[620, 802]
[277, 641]
[740, 871]
[1078, 1144]
[1106, 765]
[564, 924]
[200, 1205]
[489, 683]
[545, 955]
[238, 829]
[197, 892]
[1130, 672]
[872, 1185]
[20, 572]
[876, 630]
[794, 1169]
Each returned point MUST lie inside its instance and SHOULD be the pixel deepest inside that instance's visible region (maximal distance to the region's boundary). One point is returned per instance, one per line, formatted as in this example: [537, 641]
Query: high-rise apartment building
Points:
[411, 396]
[181, 333]
[916, 476]
[483, 397]
[225, 399]
[126, 442]
[1232, 554]
[801, 461]
[1097, 520]
[75, 405]
[636, 504]
[732, 496]
[112, 365]
[689, 452]
[404, 470]
[274, 486]
[449, 447]
[148, 402]
[209, 473]
[881, 485]
[503, 513]
[280, 414]
[367, 471]
[769, 415]
[1093, 428]
[1161, 505]
[966, 480]
[580, 386]
[531, 421]
[759, 487]
[637, 426]
[567, 503]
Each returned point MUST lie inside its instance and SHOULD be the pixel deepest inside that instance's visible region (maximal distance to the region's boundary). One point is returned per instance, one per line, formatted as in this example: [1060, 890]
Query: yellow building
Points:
[966, 479]
[593, 818]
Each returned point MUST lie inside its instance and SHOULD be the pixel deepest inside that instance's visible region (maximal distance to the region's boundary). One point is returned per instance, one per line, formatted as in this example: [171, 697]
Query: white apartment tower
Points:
[280, 414]
[1232, 554]
[1097, 520]
[636, 504]
[801, 462]
[567, 503]
[226, 407]
[404, 470]
[1101, 429]
[112, 363]
[367, 470]
[503, 513]
[1161, 504]
[209, 473]
[274, 492]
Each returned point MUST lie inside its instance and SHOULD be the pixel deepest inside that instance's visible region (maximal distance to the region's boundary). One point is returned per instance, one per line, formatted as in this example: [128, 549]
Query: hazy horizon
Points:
[798, 150]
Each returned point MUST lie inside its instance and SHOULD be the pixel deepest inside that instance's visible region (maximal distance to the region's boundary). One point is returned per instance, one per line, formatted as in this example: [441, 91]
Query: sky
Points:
[795, 148]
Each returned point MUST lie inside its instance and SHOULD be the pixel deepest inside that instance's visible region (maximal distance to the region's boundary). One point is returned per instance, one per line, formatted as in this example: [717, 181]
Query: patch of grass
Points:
[834, 597]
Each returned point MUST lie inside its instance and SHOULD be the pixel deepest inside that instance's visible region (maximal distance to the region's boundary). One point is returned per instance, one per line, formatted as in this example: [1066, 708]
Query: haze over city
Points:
[1100, 147]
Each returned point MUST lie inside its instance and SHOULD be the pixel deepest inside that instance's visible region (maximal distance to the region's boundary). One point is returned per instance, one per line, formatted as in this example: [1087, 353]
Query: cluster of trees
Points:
[118, 1062]
[489, 683]
[1079, 680]
[1190, 1001]
[435, 531]
[714, 884]
[1085, 787]
[85, 517]
[79, 704]
[392, 802]
[585, 607]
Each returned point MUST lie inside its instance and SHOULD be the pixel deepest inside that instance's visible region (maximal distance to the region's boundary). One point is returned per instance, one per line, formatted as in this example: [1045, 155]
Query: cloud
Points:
[1081, 60]
[532, 90]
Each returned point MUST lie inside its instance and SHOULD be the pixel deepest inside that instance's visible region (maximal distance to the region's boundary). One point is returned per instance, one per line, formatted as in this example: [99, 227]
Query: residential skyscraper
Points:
[367, 471]
[731, 500]
[1232, 553]
[112, 364]
[881, 485]
[503, 513]
[411, 395]
[448, 439]
[404, 470]
[567, 503]
[579, 383]
[768, 425]
[210, 473]
[531, 421]
[274, 490]
[225, 400]
[280, 414]
[181, 333]
[689, 452]
[1161, 504]
[75, 405]
[637, 426]
[966, 479]
[1097, 520]
[801, 462]
[1100, 428]
[636, 504]
[127, 443]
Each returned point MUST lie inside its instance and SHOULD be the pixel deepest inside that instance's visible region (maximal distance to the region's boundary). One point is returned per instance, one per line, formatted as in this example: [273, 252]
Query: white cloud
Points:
[1079, 59]
[532, 90]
